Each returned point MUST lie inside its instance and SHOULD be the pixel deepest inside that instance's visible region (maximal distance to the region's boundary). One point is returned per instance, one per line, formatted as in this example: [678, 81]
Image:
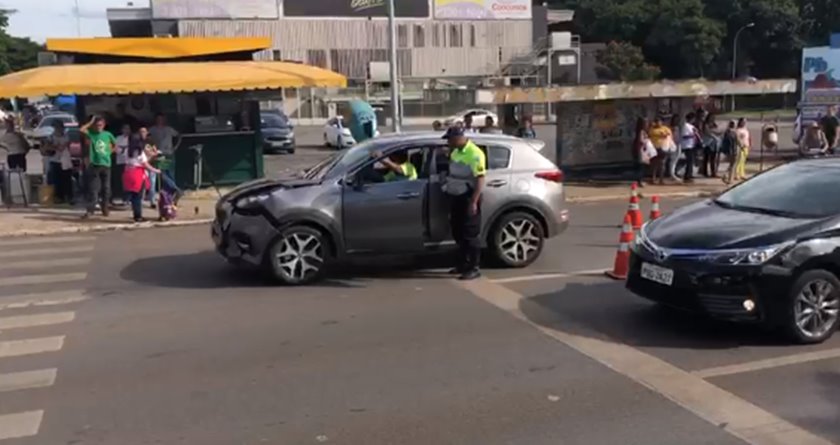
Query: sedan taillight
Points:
[553, 176]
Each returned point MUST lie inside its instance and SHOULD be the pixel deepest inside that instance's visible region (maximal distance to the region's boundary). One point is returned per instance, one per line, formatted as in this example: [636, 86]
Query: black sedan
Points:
[767, 251]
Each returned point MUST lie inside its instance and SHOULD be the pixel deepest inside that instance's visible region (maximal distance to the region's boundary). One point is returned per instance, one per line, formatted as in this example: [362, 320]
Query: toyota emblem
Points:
[662, 255]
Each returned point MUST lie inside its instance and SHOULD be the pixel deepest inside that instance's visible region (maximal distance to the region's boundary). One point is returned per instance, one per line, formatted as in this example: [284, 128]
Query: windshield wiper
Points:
[771, 212]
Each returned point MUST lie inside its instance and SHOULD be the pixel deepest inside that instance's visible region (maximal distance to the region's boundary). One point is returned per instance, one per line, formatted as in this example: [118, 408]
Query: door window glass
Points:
[376, 172]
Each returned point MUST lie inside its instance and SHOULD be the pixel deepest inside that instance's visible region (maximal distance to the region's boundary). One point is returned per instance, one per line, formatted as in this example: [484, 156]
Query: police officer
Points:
[464, 184]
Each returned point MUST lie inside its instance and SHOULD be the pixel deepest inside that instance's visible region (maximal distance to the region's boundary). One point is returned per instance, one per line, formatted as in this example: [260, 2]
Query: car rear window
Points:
[805, 190]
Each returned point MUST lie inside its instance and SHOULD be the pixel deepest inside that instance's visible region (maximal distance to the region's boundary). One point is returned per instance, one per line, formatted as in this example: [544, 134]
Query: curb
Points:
[697, 194]
[107, 228]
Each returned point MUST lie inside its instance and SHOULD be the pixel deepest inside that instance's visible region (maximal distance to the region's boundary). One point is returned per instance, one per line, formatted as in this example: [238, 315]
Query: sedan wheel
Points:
[815, 306]
[298, 256]
[518, 240]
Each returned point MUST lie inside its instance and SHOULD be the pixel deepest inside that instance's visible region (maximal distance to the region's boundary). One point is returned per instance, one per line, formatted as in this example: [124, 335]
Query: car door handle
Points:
[408, 195]
[497, 183]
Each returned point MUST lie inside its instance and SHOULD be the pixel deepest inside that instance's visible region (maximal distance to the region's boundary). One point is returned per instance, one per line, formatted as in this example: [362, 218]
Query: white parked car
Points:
[479, 117]
[45, 127]
[337, 135]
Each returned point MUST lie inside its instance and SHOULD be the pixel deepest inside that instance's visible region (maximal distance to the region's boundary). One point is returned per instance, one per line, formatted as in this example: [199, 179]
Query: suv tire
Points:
[815, 292]
[517, 240]
[298, 256]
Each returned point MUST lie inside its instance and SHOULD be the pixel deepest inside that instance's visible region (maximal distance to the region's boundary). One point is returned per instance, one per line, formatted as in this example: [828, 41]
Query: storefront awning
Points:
[159, 47]
[158, 78]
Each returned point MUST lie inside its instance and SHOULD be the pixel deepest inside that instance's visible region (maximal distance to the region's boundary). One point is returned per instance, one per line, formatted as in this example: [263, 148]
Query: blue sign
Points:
[835, 40]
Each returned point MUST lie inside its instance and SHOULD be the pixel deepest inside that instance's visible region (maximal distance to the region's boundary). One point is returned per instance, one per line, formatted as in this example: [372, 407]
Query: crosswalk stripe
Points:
[37, 264]
[16, 381]
[45, 240]
[30, 321]
[16, 348]
[20, 424]
[42, 299]
[51, 252]
[42, 279]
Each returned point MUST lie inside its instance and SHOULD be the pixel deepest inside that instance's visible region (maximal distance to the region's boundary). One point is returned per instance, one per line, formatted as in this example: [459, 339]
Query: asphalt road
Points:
[148, 337]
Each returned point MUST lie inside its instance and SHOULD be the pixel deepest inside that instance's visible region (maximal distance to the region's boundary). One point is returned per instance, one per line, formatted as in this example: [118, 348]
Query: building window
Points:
[275, 55]
[436, 36]
[455, 38]
[317, 57]
[472, 36]
[419, 36]
[402, 36]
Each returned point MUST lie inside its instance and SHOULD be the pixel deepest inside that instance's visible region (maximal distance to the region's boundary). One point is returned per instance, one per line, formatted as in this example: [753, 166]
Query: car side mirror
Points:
[354, 182]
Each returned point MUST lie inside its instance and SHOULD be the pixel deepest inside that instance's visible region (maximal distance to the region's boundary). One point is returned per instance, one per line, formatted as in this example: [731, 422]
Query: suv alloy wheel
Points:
[517, 240]
[298, 256]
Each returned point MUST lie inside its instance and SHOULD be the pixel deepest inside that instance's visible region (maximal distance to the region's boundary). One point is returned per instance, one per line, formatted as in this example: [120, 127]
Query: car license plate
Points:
[657, 274]
[278, 143]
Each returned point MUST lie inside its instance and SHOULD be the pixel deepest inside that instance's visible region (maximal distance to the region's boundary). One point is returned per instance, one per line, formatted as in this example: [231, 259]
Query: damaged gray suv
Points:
[341, 207]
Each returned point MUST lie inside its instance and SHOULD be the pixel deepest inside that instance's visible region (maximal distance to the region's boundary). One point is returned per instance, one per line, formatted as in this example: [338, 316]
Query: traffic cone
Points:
[634, 189]
[655, 213]
[635, 213]
[622, 257]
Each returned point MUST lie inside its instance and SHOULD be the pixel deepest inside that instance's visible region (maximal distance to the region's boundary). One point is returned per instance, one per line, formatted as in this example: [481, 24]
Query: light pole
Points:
[392, 47]
[735, 55]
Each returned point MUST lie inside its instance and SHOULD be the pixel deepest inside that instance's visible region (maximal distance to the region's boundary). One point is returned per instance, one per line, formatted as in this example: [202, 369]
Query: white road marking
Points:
[36, 264]
[17, 425]
[42, 279]
[550, 276]
[16, 348]
[29, 321]
[732, 414]
[27, 380]
[53, 252]
[776, 362]
[42, 299]
[47, 240]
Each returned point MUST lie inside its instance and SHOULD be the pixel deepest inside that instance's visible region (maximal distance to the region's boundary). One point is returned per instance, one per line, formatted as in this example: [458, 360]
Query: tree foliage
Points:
[16, 53]
[625, 62]
[691, 38]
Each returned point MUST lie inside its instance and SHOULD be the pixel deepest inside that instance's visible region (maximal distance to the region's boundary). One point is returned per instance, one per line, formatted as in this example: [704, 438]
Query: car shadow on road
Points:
[605, 310]
[207, 270]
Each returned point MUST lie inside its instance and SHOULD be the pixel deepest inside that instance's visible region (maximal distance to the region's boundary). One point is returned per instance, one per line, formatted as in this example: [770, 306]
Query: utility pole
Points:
[78, 20]
[392, 47]
[735, 55]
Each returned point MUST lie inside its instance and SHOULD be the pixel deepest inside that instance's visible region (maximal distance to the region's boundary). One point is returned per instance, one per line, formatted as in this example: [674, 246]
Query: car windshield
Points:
[341, 161]
[49, 121]
[797, 190]
[273, 121]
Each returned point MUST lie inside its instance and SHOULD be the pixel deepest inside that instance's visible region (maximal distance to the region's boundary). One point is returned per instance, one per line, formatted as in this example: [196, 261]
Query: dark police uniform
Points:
[466, 165]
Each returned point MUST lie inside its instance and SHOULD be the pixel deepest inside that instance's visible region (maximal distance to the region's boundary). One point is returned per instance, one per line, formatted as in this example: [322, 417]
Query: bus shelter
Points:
[209, 88]
[596, 124]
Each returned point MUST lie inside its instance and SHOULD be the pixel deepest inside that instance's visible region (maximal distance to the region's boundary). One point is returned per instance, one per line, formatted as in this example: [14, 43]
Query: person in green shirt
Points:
[101, 145]
[464, 184]
[398, 165]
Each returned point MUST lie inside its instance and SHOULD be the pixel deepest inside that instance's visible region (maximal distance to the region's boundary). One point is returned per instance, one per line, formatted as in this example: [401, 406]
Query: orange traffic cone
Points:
[622, 257]
[635, 213]
[634, 189]
[655, 213]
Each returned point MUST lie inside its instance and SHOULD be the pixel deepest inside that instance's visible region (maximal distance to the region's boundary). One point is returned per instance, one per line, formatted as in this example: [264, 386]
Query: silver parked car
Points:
[342, 206]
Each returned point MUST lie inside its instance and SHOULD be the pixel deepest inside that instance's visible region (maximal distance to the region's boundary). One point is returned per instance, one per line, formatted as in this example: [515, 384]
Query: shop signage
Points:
[354, 8]
[482, 9]
[214, 9]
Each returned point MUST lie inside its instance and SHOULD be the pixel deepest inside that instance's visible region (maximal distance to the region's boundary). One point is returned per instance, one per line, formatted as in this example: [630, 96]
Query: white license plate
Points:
[278, 144]
[657, 274]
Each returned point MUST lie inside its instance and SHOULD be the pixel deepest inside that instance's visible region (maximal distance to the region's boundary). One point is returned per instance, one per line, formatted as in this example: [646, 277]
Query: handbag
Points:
[648, 151]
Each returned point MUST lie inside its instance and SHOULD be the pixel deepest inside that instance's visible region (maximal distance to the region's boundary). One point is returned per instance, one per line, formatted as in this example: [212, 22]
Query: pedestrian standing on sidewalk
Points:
[98, 165]
[729, 148]
[152, 154]
[743, 142]
[813, 142]
[675, 150]
[526, 131]
[689, 140]
[641, 158]
[135, 177]
[711, 147]
[61, 164]
[830, 124]
[16, 146]
[120, 156]
[164, 138]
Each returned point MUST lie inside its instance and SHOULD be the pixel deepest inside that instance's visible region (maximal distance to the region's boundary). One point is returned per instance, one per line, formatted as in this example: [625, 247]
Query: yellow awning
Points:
[159, 47]
[155, 78]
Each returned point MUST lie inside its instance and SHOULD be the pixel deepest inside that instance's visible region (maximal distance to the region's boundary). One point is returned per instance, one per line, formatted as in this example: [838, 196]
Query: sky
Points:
[39, 19]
